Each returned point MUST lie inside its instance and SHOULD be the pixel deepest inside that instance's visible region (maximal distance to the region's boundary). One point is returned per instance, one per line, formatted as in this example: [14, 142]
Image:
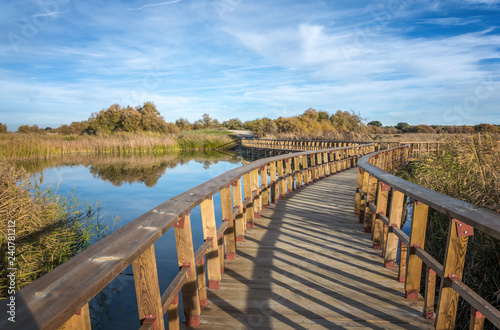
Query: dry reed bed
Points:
[466, 169]
[15, 146]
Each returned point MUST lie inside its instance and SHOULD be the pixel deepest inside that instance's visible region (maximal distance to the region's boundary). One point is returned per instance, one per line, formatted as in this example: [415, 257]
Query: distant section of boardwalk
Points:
[308, 264]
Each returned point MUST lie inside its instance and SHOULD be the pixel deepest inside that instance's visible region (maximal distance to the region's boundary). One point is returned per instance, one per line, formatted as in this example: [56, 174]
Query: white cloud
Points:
[156, 4]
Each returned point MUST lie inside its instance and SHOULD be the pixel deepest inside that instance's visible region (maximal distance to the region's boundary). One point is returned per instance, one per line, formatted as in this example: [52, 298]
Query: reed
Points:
[466, 169]
[22, 146]
[49, 228]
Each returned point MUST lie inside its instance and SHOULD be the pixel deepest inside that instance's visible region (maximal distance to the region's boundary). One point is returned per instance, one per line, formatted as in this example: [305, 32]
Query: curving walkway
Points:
[308, 264]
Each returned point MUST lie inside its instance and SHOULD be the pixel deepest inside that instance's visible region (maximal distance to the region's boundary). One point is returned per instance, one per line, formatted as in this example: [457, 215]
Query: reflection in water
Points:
[129, 169]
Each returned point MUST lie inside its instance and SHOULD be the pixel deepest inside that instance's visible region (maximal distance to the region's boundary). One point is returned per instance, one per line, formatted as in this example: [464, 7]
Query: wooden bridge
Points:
[307, 241]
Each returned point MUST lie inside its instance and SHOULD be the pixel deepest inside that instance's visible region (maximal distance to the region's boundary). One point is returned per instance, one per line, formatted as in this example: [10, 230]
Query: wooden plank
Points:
[257, 201]
[417, 237]
[210, 232]
[266, 196]
[147, 288]
[364, 192]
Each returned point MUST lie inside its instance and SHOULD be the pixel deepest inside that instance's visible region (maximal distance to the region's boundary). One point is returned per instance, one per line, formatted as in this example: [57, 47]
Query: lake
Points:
[127, 187]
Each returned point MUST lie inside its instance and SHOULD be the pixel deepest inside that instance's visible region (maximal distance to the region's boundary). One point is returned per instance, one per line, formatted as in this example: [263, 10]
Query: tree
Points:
[375, 123]
[3, 128]
[402, 126]
[26, 129]
[233, 123]
[183, 124]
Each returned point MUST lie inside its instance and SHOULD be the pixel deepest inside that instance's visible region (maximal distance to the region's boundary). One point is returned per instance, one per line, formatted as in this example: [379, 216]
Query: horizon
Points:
[392, 61]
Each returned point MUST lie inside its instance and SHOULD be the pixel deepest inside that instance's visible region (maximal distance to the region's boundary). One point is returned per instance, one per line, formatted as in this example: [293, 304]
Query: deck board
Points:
[308, 264]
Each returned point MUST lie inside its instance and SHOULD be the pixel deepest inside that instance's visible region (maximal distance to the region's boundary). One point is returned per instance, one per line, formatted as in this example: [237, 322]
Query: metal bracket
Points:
[187, 265]
[225, 219]
[418, 203]
[235, 183]
[210, 198]
[180, 223]
[384, 187]
[287, 160]
[262, 168]
[361, 171]
[463, 229]
[176, 300]
[79, 312]
[391, 228]
[151, 319]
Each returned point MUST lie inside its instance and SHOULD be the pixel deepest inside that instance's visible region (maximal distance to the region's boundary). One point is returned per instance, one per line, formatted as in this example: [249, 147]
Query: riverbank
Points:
[22, 146]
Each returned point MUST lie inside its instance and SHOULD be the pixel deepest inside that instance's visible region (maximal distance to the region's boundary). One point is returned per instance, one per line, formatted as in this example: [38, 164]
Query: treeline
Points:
[311, 124]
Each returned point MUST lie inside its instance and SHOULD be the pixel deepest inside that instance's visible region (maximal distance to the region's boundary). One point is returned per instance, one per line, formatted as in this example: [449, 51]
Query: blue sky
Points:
[431, 62]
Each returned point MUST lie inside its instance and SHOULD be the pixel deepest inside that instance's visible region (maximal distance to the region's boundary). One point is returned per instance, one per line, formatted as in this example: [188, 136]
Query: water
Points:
[127, 187]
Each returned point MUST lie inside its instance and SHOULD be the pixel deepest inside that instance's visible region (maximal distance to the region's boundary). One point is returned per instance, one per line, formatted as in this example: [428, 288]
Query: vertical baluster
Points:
[202, 283]
[453, 267]
[266, 198]
[257, 202]
[185, 257]
[210, 233]
[476, 318]
[359, 187]
[417, 239]
[173, 314]
[275, 189]
[430, 293]
[364, 193]
[395, 215]
[247, 190]
[313, 167]
[289, 179]
[239, 221]
[147, 288]
[79, 321]
[282, 182]
[403, 260]
[227, 215]
[378, 226]
[369, 214]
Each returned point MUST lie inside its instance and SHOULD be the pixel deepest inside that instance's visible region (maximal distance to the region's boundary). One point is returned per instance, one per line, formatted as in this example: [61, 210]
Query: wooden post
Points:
[239, 221]
[266, 200]
[417, 238]
[403, 258]
[378, 226]
[185, 257]
[395, 215]
[227, 215]
[247, 190]
[453, 267]
[257, 202]
[364, 192]
[274, 190]
[298, 177]
[476, 318]
[281, 183]
[369, 215]
[430, 293]
[147, 288]
[202, 283]
[210, 233]
[79, 321]
[289, 179]
[173, 314]
[304, 169]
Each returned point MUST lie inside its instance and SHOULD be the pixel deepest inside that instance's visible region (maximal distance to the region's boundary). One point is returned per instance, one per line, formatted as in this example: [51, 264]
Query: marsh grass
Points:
[466, 169]
[22, 146]
[49, 228]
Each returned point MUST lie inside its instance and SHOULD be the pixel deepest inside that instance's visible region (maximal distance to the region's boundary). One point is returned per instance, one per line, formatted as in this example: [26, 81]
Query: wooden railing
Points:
[375, 186]
[60, 298]
[416, 149]
[297, 145]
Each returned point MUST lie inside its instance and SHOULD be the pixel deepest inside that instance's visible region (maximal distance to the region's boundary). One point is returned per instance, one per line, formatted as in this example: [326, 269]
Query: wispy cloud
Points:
[156, 4]
[50, 14]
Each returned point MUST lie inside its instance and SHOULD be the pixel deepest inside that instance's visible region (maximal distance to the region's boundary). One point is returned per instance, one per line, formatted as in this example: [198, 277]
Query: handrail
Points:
[56, 297]
[372, 194]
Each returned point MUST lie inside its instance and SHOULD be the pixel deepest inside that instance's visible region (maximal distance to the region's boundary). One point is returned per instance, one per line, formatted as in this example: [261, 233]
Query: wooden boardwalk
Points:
[308, 264]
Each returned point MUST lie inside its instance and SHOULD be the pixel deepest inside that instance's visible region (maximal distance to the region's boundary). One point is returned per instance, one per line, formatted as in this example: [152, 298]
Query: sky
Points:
[421, 62]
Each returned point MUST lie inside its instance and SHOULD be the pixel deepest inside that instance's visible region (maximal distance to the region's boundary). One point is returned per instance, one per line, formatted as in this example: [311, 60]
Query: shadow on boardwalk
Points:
[308, 264]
